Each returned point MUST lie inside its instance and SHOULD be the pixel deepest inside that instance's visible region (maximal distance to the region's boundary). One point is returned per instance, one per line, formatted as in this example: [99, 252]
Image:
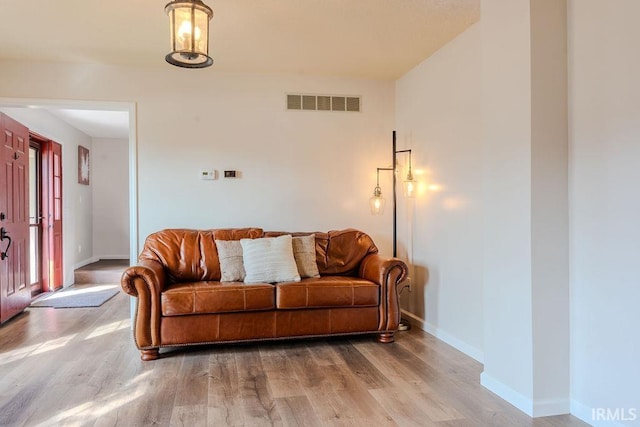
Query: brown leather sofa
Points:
[180, 300]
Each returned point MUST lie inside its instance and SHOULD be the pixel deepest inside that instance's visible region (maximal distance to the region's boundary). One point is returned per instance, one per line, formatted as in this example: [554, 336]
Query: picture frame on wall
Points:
[83, 165]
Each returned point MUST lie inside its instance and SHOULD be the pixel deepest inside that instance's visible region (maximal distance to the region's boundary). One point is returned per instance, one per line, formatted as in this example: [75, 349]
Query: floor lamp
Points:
[377, 201]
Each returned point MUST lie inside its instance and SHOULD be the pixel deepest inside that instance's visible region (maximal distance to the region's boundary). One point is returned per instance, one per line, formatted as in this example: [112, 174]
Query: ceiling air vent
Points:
[323, 103]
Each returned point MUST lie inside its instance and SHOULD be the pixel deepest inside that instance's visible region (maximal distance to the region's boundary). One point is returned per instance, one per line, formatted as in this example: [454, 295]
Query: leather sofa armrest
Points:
[145, 281]
[151, 272]
[388, 273]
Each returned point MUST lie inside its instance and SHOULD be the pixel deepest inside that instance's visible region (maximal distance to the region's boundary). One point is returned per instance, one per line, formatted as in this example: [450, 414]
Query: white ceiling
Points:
[379, 39]
[97, 124]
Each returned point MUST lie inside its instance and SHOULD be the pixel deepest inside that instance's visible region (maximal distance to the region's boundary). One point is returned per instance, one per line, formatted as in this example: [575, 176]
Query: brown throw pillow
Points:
[304, 252]
[230, 256]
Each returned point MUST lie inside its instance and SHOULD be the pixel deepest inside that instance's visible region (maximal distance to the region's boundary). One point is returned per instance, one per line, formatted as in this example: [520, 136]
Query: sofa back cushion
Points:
[191, 255]
[340, 252]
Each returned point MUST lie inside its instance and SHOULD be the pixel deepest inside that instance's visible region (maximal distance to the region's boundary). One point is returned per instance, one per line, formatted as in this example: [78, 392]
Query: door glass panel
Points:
[34, 214]
[33, 184]
[56, 165]
[33, 249]
[57, 187]
[57, 209]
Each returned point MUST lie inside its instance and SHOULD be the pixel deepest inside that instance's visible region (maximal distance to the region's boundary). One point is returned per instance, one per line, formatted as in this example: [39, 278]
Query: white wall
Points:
[550, 210]
[438, 116]
[526, 285]
[300, 170]
[604, 107]
[110, 187]
[506, 81]
[76, 198]
[604, 169]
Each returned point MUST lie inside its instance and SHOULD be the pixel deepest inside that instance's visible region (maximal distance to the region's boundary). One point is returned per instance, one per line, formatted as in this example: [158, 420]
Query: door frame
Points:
[131, 109]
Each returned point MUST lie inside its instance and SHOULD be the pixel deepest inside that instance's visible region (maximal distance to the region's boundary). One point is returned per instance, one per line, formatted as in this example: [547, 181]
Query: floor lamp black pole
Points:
[393, 169]
[403, 324]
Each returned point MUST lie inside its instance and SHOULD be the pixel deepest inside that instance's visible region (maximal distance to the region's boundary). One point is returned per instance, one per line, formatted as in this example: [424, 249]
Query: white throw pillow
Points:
[230, 257]
[269, 260]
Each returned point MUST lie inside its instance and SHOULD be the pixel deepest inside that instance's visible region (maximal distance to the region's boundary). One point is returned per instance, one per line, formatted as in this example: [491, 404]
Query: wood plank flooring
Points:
[79, 367]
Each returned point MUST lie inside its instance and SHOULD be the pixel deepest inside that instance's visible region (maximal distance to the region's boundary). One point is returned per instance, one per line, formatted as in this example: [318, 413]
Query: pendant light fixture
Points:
[189, 20]
[376, 202]
[409, 184]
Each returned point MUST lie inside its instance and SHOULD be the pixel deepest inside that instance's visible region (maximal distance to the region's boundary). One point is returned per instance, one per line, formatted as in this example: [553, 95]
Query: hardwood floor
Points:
[102, 271]
[79, 367]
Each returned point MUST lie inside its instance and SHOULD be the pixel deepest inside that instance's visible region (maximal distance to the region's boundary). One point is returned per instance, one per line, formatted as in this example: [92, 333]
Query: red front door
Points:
[56, 223]
[15, 292]
[52, 215]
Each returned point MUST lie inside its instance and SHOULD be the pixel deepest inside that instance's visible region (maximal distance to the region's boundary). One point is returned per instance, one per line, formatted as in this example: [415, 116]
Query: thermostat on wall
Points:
[230, 174]
[208, 174]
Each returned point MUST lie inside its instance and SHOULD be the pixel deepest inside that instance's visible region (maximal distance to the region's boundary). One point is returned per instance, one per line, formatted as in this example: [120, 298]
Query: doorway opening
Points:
[76, 239]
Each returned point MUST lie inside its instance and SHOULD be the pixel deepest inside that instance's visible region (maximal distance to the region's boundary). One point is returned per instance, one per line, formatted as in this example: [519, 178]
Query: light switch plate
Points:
[208, 174]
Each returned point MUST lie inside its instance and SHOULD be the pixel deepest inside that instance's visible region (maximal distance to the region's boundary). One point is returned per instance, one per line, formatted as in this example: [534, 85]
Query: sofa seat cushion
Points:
[327, 291]
[216, 297]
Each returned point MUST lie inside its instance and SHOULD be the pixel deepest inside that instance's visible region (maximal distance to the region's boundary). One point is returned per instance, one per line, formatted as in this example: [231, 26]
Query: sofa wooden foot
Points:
[386, 337]
[149, 354]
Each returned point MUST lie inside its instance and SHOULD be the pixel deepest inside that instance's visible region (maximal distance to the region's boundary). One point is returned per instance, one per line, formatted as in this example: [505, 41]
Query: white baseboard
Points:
[551, 407]
[537, 408]
[507, 393]
[454, 342]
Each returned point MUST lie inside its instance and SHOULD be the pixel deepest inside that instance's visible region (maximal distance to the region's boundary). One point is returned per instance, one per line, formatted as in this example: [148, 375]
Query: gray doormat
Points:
[93, 296]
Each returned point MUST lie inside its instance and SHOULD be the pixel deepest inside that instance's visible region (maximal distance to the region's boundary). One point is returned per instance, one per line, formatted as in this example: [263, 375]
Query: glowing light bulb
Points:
[410, 188]
[185, 33]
